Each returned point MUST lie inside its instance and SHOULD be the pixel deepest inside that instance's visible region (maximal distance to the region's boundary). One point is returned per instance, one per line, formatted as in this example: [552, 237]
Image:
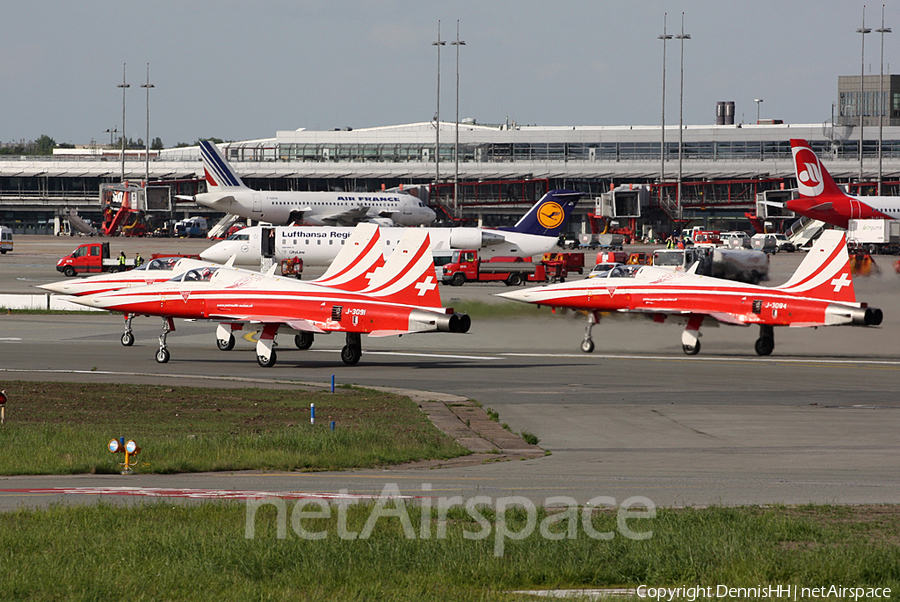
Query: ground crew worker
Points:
[122, 259]
[138, 260]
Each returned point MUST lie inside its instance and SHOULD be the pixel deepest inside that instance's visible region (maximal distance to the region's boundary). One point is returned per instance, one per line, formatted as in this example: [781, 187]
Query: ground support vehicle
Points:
[6, 240]
[574, 261]
[731, 264]
[192, 227]
[874, 236]
[606, 241]
[292, 267]
[465, 266]
[92, 258]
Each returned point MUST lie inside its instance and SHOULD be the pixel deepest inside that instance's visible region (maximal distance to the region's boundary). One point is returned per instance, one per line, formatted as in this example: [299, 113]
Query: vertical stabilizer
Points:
[355, 266]
[813, 180]
[825, 271]
[408, 276]
[548, 215]
[219, 173]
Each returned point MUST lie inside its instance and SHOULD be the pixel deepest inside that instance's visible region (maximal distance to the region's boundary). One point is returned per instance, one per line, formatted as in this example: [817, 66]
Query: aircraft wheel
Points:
[127, 339]
[350, 354]
[69, 271]
[587, 345]
[765, 346]
[458, 279]
[226, 344]
[304, 340]
[691, 350]
[264, 362]
[162, 356]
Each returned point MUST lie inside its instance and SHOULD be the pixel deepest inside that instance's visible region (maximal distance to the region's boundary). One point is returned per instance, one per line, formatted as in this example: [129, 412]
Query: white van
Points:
[6, 243]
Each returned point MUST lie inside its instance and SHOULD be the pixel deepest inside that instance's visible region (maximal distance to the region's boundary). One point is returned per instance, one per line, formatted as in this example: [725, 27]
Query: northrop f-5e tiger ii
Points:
[820, 293]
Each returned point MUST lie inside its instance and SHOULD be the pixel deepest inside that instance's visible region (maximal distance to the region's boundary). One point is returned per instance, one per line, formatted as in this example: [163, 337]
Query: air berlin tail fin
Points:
[813, 179]
[408, 276]
[219, 173]
[825, 271]
[356, 264]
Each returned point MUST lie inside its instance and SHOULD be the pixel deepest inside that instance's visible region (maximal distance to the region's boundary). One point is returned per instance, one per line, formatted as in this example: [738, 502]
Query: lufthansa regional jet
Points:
[534, 234]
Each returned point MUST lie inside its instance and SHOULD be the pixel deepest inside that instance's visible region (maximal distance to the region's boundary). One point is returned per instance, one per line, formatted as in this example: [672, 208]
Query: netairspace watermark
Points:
[768, 592]
[391, 505]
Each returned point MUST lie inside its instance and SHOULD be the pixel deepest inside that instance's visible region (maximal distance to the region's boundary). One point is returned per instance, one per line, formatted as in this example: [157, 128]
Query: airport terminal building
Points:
[501, 169]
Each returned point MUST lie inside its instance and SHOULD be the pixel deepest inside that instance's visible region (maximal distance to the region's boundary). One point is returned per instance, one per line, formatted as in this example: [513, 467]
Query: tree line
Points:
[45, 145]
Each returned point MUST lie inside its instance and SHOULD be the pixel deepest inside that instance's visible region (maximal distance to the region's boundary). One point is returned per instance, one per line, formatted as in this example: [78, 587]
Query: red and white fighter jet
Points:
[401, 297]
[820, 293]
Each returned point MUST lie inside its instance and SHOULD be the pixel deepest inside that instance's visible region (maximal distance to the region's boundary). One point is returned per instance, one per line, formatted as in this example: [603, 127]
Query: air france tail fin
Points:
[219, 173]
[408, 276]
[360, 258]
[825, 271]
[548, 215]
[813, 180]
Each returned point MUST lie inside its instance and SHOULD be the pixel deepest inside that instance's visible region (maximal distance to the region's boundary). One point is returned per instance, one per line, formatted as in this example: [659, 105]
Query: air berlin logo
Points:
[550, 214]
[809, 172]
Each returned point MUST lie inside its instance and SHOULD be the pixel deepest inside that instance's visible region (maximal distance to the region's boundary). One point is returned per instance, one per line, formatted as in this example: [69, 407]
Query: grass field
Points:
[176, 552]
[63, 428]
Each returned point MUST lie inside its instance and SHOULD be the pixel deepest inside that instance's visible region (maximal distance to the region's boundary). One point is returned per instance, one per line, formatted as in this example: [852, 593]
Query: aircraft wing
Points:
[293, 322]
[719, 316]
[389, 333]
[347, 217]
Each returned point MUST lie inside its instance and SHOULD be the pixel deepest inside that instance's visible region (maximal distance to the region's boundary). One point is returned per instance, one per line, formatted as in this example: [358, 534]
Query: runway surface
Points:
[815, 422]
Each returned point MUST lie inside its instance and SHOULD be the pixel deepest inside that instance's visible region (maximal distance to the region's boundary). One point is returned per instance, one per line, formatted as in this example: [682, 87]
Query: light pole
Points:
[124, 86]
[111, 131]
[860, 106]
[437, 115]
[662, 147]
[683, 36]
[881, 104]
[148, 85]
[456, 43]
[758, 101]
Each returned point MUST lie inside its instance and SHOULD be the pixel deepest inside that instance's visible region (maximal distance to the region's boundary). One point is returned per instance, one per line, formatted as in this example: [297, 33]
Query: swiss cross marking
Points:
[372, 274]
[426, 285]
[841, 282]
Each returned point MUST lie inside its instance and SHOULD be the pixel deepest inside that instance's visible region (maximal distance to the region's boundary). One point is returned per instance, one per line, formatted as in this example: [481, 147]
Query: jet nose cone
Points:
[524, 295]
[62, 287]
[214, 254]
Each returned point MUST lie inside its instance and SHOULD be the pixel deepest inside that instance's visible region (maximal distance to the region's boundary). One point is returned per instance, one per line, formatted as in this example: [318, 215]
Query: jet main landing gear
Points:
[162, 356]
[765, 344]
[352, 351]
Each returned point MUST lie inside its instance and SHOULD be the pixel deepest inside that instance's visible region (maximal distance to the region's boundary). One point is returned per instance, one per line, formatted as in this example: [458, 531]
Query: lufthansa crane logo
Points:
[550, 214]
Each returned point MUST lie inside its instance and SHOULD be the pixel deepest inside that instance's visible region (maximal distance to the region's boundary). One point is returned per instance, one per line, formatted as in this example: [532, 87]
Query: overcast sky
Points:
[244, 70]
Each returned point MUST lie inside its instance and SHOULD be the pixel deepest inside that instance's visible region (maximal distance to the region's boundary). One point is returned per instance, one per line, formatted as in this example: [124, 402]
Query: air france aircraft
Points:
[229, 194]
[534, 234]
[821, 199]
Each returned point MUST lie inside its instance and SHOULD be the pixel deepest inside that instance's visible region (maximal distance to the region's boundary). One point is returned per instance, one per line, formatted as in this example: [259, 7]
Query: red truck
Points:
[92, 258]
[465, 266]
[574, 261]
